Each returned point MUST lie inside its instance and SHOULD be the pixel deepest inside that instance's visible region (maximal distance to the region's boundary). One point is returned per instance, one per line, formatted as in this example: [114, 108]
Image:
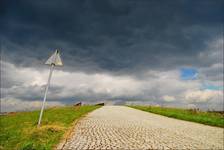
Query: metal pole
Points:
[45, 95]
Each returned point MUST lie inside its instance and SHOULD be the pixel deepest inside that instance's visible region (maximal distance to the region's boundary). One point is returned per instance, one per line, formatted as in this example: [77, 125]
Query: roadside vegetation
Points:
[19, 130]
[208, 118]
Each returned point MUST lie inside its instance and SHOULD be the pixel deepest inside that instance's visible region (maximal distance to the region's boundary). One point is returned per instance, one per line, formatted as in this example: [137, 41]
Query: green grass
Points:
[208, 118]
[19, 130]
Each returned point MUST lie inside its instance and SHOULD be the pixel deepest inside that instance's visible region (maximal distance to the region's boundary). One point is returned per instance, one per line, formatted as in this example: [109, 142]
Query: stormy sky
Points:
[156, 52]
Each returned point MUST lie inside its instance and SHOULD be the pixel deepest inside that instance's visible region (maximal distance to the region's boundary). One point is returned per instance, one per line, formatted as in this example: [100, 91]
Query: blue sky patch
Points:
[188, 73]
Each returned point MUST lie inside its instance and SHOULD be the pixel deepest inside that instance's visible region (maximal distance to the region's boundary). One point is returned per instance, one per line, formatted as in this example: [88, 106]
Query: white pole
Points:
[45, 95]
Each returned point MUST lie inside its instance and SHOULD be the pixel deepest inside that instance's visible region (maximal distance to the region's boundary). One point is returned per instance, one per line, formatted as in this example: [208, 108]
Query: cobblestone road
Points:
[120, 127]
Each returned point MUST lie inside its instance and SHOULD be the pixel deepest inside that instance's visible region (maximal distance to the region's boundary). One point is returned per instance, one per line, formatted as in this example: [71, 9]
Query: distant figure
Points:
[78, 104]
[100, 104]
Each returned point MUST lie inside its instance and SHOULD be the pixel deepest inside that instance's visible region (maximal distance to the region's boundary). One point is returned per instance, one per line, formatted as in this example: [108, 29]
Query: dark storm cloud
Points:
[110, 36]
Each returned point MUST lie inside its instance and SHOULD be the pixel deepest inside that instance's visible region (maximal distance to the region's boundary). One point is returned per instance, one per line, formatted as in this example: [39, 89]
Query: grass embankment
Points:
[208, 118]
[19, 130]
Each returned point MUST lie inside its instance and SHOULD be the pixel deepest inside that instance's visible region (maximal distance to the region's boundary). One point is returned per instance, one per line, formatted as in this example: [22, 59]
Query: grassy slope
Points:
[208, 118]
[19, 131]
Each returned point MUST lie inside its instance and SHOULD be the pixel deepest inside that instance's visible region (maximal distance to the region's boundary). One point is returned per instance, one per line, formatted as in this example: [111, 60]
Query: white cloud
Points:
[81, 83]
[202, 96]
[168, 98]
[8, 105]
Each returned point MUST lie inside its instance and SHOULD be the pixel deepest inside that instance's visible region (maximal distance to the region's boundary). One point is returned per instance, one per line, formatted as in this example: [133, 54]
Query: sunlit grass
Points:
[19, 130]
[208, 118]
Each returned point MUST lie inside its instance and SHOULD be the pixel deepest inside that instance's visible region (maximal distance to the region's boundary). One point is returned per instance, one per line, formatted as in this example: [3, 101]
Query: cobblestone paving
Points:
[120, 127]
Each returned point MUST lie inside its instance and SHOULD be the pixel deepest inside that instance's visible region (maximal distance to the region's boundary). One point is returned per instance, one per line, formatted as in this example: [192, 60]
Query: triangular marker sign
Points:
[55, 59]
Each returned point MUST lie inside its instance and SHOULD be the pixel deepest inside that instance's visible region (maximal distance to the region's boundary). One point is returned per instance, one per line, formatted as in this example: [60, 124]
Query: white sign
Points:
[54, 59]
